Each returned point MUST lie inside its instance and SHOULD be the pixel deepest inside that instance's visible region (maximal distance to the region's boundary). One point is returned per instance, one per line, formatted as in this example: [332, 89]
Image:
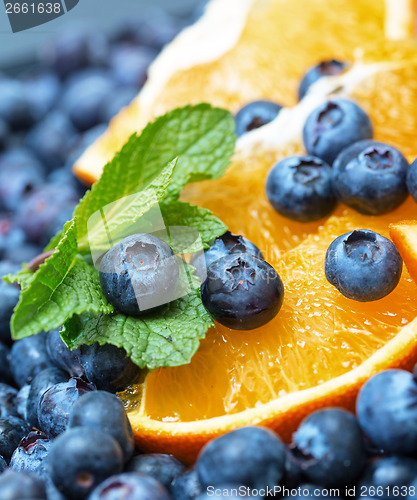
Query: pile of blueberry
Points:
[332, 454]
[64, 434]
[343, 162]
[63, 431]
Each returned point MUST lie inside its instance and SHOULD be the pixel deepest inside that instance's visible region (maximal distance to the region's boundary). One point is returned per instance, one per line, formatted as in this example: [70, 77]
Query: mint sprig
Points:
[186, 145]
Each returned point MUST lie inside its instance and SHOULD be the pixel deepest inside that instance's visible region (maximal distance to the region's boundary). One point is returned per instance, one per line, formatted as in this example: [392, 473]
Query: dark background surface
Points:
[19, 48]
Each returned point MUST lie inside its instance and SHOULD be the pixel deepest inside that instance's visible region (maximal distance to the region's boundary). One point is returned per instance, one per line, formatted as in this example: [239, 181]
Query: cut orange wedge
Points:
[404, 235]
[322, 346]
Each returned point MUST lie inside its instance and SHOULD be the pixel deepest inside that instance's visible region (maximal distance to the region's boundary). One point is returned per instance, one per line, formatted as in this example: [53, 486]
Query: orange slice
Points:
[404, 235]
[317, 352]
[322, 346]
[239, 51]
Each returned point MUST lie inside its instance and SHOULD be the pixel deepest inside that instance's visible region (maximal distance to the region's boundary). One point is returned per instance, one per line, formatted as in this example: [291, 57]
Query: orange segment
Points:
[404, 235]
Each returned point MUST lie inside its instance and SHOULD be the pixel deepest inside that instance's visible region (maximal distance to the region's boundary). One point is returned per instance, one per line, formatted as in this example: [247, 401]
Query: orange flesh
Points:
[318, 334]
[269, 47]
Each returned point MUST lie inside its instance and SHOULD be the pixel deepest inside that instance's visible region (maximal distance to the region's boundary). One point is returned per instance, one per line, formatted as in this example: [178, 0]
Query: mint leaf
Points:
[62, 286]
[54, 241]
[180, 214]
[200, 136]
[168, 337]
[23, 278]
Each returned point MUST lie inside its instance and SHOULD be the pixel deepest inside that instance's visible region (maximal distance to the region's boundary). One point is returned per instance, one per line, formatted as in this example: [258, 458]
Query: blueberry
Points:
[12, 430]
[31, 454]
[75, 49]
[65, 359]
[230, 243]
[363, 265]
[28, 357]
[129, 64]
[8, 397]
[370, 177]
[79, 461]
[11, 236]
[242, 292]
[333, 126]
[330, 448]
[15, 107]
[255, 115]
[130, 486]
[85, 96]
[104, 411]
[187, 486]
[4, 134]
[56, 403]
[300, 187]
[226, 244]
[412, 180]
[52, 139]
[251, 456]
[153, 28]
[293, 473]
[385, 474]
[412, 490]
[40, 210]
[86, 139]
[20, 174]
[42, 89]
[40, 384]
[163, 468]
[21, 401]
[21, 486]
[3, 464]
[9, 295]
[108, 367]
[5, 372]
[324, 68]
[23, 253]
[387, 411]
[139, 273]
[52, 492]
[64, 176]
[120, 100]
[199, 10]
